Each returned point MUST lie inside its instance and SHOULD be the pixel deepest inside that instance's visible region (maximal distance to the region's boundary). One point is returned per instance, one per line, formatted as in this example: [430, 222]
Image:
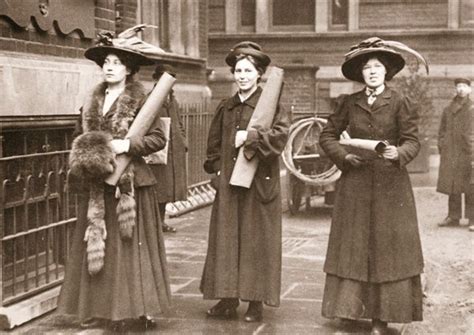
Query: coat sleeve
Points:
[269, 142]
[181, 129]
[329, 138]
[408, 143]
[153, 141]
[214, 140]
[442, 131]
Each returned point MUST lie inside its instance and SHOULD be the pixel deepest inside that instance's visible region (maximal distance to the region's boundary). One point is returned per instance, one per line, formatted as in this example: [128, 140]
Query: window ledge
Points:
[363, 33]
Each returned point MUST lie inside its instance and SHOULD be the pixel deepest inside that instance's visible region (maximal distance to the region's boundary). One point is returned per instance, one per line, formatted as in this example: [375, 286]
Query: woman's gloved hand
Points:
[390, 152]
[240, 138]
[120, 146]
[354, 160]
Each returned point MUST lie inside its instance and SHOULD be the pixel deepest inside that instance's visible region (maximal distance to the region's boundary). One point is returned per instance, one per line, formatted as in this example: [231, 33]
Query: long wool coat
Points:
[374, 233]
[455, 147]
[244, 253]
[134, 279]
[171, 178]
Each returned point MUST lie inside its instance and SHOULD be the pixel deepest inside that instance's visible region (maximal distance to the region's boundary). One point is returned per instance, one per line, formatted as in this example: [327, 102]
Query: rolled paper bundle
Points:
[244, 170]
[143, 121]
[371, 145]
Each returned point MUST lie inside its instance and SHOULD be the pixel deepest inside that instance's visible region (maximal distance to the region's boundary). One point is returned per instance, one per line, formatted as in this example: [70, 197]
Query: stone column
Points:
[353, 15]
[263, 8]
[453, 14]
[231, 16]
[322, 16]
[192, 28]
[175, 29]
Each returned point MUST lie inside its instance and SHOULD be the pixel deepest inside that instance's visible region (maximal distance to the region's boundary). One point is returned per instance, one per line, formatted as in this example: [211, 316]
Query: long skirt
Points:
[398, 301]
[134, 280]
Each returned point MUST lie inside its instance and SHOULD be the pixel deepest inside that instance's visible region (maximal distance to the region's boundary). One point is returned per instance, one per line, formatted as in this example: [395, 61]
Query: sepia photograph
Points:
[237, 167]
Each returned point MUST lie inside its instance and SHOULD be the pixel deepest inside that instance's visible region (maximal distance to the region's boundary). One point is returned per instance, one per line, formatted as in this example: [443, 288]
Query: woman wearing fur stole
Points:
[116, 270]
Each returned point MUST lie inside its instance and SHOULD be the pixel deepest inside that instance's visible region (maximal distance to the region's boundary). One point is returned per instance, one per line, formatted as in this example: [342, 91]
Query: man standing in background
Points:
[455, 147]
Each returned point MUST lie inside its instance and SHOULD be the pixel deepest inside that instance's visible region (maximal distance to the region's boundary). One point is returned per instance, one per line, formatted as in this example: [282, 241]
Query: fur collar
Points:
[123, 109]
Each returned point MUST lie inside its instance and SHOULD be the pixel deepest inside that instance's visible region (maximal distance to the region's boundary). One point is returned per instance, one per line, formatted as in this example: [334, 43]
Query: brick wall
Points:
[403, 14]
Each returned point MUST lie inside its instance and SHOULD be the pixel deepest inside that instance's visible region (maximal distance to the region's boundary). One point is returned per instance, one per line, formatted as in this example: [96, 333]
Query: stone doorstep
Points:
[21, 312]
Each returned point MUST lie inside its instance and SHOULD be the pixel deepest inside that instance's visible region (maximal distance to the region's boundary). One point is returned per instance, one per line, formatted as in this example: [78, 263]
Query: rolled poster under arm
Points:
[244, 170]
[143, 121]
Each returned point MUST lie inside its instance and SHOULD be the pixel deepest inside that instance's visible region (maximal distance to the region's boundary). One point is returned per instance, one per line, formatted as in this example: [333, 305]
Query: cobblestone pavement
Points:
[304, 245]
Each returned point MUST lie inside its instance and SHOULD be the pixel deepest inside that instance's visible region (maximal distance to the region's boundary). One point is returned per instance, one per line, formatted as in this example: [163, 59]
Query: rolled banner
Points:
[143, 121]
[244, 170]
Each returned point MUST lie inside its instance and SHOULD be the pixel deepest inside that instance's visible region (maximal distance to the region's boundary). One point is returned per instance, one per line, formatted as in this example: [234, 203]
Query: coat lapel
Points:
[361, 101]
[382, 100]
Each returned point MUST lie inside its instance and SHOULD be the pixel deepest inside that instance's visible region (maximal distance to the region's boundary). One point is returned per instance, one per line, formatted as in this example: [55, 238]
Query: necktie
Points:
[372, 95]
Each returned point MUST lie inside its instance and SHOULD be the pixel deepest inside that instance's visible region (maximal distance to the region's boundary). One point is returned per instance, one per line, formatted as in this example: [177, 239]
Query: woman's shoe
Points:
[92, 323]
[147, 322]
[378, 327]
[225, 308]
[168, 229]
[255, 312]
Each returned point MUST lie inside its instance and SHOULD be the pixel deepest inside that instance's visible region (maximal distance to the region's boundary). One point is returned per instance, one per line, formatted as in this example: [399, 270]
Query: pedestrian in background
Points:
[455, 144]
[374, 257]
[116, 271]
[171, 177]
[244, 253]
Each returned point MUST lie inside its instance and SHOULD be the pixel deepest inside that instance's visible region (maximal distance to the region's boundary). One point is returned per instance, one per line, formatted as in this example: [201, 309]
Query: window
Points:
[292, 15]
[247, 13]
[339, 14]
[466, 11]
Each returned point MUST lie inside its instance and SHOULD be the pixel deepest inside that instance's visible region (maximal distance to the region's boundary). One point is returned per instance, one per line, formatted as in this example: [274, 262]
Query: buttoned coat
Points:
[171, 178]
[455, 147]
[244, 253]
[374, 233]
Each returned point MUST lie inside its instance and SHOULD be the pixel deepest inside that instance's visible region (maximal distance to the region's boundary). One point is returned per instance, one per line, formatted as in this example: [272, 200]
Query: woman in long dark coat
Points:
[244, 253]
[116, 269]
[171, 177]
[374, 257]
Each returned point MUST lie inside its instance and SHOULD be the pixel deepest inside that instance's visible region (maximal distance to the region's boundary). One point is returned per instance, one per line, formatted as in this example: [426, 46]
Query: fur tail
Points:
[95, 248]
[126, 215]
[96, 233]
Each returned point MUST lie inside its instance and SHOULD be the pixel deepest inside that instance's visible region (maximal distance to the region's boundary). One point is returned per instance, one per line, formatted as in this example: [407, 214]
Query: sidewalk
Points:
[305, 238]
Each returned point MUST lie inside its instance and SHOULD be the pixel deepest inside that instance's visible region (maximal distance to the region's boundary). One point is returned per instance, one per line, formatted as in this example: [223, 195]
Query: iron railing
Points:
[38, 214]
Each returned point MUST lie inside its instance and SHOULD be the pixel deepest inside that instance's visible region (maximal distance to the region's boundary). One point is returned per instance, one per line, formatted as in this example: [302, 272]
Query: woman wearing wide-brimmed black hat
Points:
[374, 257]
[116, 270]
[244, 254]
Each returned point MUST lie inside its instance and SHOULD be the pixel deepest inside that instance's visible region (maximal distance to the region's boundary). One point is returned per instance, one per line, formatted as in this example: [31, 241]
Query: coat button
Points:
[234, 158]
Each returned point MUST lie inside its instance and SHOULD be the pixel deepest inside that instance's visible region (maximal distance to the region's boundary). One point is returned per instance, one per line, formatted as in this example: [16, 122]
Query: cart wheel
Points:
[295, 193]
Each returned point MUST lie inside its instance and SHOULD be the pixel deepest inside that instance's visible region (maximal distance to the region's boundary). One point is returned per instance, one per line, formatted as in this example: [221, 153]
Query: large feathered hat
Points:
[247, 48]
[372, 47]
[127, 44]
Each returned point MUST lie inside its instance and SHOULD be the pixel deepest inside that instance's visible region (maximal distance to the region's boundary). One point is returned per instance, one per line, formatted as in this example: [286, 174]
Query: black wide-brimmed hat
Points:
[361, 53]
[247, 48]
[127, 44]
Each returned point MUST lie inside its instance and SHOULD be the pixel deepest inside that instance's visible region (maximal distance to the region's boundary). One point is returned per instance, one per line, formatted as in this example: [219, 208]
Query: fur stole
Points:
[92, 159]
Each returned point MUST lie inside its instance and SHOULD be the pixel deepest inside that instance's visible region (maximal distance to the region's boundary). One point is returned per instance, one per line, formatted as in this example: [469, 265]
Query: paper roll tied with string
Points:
[143, 122]
[244, 170]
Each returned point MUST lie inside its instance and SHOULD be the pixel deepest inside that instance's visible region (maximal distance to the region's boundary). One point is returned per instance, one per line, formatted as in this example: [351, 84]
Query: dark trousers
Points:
[454, 206]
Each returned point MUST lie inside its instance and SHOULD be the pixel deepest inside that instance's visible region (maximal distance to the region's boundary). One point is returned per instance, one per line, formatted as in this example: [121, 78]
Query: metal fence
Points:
[38, 215]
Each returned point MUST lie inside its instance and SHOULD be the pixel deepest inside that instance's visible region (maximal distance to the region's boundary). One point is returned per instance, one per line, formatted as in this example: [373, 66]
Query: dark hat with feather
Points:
[247, 48]
[126, 45]
[376, 47]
